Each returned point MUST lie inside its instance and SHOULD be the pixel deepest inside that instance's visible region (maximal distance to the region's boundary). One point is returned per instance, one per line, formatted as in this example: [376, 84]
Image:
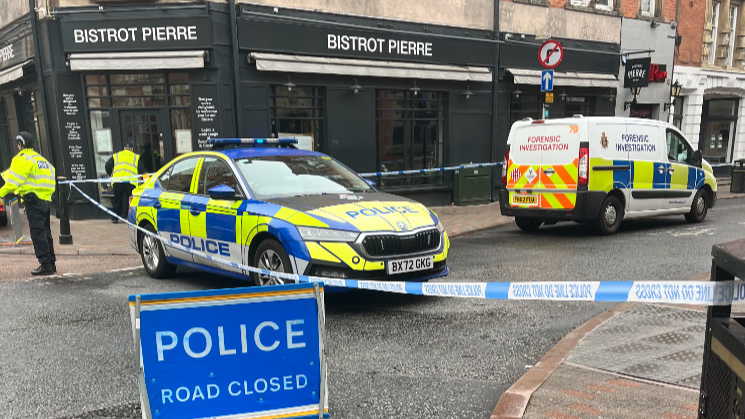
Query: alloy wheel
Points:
[610, 215]
[150, 251]
[270, 261]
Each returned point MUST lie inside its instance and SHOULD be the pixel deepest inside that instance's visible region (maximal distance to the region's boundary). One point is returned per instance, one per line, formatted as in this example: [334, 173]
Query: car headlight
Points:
[327, 234]
[440, 226]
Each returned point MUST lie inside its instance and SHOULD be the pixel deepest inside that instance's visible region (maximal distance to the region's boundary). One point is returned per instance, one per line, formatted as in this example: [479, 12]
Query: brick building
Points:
[709, 63]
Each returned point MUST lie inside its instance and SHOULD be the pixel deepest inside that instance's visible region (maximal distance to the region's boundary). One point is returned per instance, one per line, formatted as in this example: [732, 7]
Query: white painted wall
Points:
[559, 22]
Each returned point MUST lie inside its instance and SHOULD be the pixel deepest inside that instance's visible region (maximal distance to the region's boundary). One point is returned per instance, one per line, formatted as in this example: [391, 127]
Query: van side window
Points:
[678, 149]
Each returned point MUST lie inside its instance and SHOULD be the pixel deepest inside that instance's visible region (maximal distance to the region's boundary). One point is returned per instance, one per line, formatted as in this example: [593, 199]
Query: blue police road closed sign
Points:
[247, 352]
[547, 80]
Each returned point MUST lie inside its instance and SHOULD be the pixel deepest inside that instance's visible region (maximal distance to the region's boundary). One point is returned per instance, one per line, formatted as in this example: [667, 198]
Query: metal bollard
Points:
[64, 220]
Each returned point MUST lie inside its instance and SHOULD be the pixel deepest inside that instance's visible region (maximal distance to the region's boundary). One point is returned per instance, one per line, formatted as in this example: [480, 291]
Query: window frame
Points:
[608, 7]
[715, 9]
[681, 138]
[652, 9]
[169, 171]
[240, 194]
[732, 33]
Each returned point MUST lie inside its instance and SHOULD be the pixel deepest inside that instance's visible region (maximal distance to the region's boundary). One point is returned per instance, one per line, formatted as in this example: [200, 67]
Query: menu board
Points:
[71, 120]
[206, 122]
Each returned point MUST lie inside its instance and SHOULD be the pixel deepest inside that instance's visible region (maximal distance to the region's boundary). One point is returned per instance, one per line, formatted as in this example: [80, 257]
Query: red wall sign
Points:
[657, 72]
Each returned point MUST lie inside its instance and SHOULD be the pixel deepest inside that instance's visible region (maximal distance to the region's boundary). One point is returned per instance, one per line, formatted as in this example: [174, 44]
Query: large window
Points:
[647, 7]
[298, 111]
[732, 25]
[526, 106]
[714, 33]
[410, 135]
[7, 146]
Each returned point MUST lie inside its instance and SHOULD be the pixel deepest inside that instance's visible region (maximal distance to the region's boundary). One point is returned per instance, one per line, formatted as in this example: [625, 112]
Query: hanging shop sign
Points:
[259, 33]
[136, 35]
[16, 52]
[636, 72]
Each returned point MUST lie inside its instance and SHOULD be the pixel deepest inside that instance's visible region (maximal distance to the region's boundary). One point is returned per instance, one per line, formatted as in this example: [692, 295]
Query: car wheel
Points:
[527, 224]
[154, 257]
[699, 207]
[3, 220]
[271, 256]
[610, 216]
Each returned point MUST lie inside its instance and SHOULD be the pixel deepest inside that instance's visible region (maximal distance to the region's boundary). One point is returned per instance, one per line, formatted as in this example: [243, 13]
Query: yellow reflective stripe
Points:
[319, 253]
[197, 223]
[195, 178]
[16, 175]
[184, 220]
[643, 174]
[679, 177]
[345, 252]
[374, 266]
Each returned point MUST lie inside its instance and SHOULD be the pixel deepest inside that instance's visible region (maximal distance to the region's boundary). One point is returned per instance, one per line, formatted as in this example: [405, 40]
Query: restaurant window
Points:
[179, 99]
[526, 106]
[410, 135]
[298, 112]
[718, 124]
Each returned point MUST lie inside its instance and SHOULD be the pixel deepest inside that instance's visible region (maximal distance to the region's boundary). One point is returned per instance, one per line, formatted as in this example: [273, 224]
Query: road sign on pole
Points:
[550, 54]
[547, 80]
[243, 352]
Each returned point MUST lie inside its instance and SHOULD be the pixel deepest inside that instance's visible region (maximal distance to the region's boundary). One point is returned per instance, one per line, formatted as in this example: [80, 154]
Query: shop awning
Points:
[157, 60]
[368, 68]
[13, 73]
[565, 78]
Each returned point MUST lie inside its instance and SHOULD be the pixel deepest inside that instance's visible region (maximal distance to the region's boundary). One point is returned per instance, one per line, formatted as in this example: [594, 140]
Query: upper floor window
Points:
[647, 7]
[599, 4]
[714, 32]
[732, 24]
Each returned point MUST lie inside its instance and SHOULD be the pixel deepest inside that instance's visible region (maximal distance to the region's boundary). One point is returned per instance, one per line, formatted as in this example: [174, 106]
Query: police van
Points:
[602, 170]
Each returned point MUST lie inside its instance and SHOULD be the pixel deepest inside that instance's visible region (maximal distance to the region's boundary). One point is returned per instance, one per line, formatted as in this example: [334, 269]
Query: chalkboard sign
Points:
[206, 123]
[72, 120]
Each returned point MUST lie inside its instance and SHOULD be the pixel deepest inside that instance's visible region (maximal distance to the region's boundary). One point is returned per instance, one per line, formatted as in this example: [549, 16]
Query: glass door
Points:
[717, 139]
[143, 130]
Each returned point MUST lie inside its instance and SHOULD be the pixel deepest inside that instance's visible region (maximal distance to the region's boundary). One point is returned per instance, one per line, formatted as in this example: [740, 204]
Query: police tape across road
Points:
[702, 293]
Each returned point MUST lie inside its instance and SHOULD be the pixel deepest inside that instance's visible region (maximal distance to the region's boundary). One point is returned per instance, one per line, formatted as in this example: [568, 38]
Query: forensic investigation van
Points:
[602, 170]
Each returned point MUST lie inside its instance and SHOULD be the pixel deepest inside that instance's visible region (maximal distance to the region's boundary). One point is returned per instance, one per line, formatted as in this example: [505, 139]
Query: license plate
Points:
[524, 199]
[410, 265]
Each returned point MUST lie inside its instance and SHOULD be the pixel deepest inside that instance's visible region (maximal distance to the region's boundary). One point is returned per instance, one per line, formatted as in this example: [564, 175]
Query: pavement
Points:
[641, 361]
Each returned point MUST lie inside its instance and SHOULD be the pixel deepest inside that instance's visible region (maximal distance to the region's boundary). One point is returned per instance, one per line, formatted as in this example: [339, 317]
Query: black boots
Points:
[44, 269]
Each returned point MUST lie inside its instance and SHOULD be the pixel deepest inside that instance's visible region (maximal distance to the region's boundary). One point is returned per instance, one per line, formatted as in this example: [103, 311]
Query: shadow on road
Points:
[572, 229]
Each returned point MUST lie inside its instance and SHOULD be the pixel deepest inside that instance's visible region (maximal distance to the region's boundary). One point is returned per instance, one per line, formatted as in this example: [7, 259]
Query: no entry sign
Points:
[550, 54]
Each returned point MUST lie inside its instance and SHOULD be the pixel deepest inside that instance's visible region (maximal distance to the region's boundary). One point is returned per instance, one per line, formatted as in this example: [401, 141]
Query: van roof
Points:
[582, 119]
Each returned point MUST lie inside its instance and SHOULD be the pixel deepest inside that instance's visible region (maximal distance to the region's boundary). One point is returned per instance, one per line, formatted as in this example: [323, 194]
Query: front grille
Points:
[392, 245]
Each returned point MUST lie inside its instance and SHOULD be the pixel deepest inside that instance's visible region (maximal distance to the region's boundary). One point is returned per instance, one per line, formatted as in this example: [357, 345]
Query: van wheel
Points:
[527, 224]
[154, 257]
[699, 207]
[610, 216]
[271, 256]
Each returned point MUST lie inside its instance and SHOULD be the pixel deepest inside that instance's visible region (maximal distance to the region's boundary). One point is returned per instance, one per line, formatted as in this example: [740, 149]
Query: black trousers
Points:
[122, 192]
[37, 212]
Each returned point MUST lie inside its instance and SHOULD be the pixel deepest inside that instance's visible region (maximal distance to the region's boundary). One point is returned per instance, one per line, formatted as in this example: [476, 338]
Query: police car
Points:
[266, 204]
[602, 170]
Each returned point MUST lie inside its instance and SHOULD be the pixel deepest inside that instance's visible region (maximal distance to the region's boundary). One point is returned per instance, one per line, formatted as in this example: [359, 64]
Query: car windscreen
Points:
[281, 176]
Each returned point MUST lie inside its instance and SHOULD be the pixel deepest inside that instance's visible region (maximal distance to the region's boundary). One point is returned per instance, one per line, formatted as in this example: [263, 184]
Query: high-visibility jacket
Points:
[125, 165]
[29, 172]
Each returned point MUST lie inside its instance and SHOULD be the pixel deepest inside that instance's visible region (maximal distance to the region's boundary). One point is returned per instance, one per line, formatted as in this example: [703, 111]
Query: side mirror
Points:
[370, 182]
[221, 192]
[698, 158]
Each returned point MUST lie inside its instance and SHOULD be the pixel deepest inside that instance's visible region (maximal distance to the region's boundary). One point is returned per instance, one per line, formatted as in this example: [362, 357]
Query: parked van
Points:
[602, 170]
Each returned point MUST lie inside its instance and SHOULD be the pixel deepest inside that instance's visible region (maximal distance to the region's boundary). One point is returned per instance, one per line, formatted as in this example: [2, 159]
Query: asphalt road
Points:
[67, 344]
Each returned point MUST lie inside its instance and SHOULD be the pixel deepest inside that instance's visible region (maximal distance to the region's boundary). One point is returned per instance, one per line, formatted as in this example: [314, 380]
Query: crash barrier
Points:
[245, 352]
[671, 292]
[723, 371]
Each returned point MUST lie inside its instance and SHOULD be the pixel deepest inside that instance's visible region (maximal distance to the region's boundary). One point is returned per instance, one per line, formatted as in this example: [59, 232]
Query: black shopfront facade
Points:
[20, 95]
[585, 81]
[377, 95]
[160, 78]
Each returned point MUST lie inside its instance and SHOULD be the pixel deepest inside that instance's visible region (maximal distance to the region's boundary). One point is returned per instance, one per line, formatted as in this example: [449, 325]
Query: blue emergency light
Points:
[256, 142]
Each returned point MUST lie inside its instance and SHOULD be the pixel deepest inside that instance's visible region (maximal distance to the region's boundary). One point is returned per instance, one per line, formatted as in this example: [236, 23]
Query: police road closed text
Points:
[214, 356]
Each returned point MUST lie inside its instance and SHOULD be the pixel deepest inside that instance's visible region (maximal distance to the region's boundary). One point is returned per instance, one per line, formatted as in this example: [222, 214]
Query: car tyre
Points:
[271, 255]
[527, 224]
[699, 207]
[154, 257]
[609, 219]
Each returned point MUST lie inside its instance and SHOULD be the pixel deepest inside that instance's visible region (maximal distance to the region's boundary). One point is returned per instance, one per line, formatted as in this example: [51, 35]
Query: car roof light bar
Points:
[256, 142]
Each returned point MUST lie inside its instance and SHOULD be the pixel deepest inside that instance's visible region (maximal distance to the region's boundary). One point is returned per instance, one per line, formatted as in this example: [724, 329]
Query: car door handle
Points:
[661, 169]
[195, 211]
[157, 205]
[670, 170]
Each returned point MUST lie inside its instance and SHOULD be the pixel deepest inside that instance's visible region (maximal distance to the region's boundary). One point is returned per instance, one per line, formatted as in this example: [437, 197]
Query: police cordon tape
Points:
[102, 180]
[704, 293]
[436, 169]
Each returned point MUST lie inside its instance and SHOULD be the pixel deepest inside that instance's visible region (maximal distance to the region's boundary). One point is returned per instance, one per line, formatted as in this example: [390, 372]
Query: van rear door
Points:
[542, 171]
[559, 160]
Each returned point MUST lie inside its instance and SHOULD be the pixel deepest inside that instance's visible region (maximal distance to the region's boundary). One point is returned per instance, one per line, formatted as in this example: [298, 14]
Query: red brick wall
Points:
[669, 8]
[691, 29]
[630, 8]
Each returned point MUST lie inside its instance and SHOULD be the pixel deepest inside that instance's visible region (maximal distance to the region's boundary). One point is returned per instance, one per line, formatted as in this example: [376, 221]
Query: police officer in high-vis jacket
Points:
[124, 164]
[31, 177]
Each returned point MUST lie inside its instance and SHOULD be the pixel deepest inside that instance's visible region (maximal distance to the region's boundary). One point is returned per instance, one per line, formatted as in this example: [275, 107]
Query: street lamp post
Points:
[634, 91]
